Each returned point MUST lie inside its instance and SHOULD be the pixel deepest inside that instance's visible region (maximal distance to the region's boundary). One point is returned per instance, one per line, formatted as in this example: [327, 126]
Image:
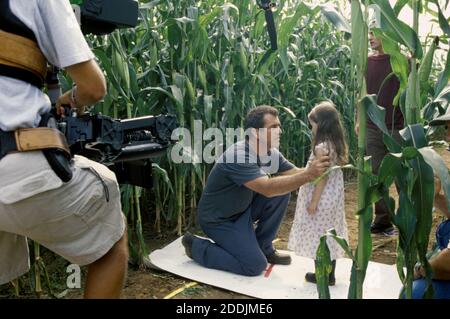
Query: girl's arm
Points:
[317, 193]
[320, 149]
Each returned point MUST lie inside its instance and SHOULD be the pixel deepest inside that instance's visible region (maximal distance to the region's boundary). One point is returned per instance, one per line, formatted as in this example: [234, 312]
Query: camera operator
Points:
[79, 219]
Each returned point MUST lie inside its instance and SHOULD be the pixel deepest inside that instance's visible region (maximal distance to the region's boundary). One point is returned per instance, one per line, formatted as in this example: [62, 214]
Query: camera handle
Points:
[267, 6]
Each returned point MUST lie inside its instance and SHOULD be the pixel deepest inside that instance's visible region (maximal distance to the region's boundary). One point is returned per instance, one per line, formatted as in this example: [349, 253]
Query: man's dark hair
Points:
[255, 118]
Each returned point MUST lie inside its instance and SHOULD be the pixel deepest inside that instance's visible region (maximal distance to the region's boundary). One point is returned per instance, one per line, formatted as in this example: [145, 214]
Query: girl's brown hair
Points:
[329, 129]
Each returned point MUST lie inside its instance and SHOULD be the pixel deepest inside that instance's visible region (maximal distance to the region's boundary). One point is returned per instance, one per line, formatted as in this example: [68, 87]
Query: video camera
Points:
[125, 146]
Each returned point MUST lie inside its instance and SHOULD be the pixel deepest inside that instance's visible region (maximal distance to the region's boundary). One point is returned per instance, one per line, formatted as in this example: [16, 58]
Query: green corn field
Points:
[196, 61]
[211, 61]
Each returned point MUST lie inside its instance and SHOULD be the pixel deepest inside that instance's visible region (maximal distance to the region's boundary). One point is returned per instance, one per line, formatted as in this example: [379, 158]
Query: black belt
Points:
[7, 143]
[57, 158]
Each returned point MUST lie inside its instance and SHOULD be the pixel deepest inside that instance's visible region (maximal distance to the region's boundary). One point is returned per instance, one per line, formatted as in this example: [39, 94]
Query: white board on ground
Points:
[279, 282]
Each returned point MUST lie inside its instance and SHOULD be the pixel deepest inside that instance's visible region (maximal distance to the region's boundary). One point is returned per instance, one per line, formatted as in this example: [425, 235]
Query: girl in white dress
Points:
[321, 207]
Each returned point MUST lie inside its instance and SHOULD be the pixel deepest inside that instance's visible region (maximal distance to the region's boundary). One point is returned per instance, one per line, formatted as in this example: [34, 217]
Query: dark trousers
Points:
[377, 150]
[441, 289]
[238, 246]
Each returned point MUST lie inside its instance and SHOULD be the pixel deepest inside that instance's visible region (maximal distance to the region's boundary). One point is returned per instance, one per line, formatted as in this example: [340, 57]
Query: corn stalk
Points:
[411, 163]
[359, 54]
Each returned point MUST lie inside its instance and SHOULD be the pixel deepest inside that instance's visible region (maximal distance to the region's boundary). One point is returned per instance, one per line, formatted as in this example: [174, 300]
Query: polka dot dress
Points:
[307, 228]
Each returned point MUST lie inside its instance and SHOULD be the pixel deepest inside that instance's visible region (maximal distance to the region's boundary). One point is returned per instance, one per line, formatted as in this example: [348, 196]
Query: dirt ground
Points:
[151, 284]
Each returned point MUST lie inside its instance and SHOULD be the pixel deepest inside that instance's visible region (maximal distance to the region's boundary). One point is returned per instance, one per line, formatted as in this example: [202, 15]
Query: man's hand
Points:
[65, 101]
[357, 129]
[318, 166]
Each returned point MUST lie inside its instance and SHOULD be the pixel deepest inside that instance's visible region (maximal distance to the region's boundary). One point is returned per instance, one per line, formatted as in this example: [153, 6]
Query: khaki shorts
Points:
[80, 220]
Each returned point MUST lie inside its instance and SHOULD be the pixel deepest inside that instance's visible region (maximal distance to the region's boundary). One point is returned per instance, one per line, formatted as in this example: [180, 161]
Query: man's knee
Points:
[255, 268]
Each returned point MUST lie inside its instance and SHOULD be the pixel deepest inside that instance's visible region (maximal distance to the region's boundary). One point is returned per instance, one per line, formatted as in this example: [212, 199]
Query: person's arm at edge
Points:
[440, 264]
[90, 81]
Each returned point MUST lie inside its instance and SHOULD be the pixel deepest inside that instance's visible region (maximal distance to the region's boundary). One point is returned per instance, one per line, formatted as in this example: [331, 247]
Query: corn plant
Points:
[413, 157]
[359, 25]
[359, 55]
[412, 163]
[210, 61]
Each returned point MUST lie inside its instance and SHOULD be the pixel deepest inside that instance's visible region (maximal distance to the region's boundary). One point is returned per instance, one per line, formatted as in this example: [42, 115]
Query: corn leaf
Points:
[359, 37]
[425, 70]
[399, 4]
[323, 268]
[336, 18]
[397, 29]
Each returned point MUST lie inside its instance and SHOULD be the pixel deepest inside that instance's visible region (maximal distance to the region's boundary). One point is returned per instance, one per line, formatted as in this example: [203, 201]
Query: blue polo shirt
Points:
[225, 197]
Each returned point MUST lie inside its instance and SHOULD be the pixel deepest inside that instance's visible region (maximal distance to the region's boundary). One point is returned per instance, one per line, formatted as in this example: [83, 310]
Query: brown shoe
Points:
[277, 258]
[187, 241]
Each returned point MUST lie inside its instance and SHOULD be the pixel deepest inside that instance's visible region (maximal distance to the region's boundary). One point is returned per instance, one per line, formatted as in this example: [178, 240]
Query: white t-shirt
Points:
[60, 39]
